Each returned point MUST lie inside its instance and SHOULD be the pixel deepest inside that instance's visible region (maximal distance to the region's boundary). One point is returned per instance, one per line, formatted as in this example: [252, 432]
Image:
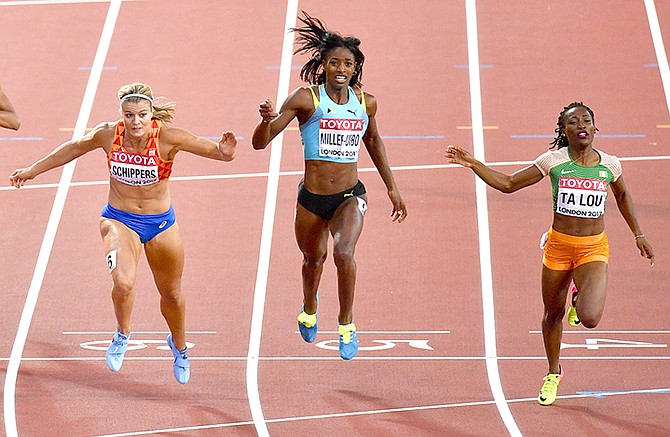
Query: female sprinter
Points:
[576, 248]
[334, 115]
[140, 150]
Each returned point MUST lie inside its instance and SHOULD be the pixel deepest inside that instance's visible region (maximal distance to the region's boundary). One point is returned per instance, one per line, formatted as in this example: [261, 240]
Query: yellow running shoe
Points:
[573, 319]
[348, 341]
[550, 388]
[308, 326]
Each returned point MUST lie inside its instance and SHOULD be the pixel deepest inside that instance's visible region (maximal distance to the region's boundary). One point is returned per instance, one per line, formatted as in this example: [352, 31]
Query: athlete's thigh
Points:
[122, 248]
[554, 287]
[165, 255]
[311, 232]
[591, 281]
[347, 223]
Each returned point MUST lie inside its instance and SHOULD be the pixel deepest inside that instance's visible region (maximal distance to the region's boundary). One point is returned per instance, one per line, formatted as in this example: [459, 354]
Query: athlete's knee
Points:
[553, 316]
[589, 323]
[173, 297]
[313, 260]
[169, 287]
[123, 286]
[589, 320]
[343, 256]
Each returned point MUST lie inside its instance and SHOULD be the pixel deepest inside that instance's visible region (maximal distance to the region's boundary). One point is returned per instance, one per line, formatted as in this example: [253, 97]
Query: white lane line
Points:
[483, 225]
[266, 233]
[659, 47]
[52, 225]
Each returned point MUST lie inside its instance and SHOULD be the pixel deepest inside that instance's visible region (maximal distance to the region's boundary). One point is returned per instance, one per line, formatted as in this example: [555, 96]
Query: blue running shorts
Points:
[147, 226]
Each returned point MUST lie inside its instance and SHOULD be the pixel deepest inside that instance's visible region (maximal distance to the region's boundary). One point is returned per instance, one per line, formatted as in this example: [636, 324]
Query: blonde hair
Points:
[137, 91]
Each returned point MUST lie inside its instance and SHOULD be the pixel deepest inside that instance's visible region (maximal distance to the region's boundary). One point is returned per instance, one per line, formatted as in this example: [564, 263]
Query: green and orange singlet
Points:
[578, 191]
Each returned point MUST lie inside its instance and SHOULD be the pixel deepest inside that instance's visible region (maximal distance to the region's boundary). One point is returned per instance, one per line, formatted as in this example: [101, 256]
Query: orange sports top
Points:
[144, 168]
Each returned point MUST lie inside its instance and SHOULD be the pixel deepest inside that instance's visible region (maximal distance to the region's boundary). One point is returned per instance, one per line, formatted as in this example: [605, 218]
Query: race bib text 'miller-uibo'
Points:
[340, 137]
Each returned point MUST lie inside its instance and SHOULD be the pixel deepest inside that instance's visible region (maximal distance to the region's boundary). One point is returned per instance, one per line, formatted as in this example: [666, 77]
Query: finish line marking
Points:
[300, 172]
[386, 411]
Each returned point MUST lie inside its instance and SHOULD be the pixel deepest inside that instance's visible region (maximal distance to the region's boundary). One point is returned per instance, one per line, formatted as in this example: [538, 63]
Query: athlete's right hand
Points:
[456, 155]
[267, 111]
[20, 176]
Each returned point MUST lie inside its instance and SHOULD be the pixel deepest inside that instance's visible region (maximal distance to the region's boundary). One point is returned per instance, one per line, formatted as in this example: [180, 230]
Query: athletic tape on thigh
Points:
[111, 260]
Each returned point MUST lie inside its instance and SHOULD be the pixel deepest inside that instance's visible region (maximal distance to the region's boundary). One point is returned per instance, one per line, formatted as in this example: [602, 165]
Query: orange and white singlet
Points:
[144, 168]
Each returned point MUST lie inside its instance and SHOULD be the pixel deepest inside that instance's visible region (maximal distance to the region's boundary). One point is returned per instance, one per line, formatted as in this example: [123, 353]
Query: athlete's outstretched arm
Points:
[175, 139]
[500, 181]
[63, 154]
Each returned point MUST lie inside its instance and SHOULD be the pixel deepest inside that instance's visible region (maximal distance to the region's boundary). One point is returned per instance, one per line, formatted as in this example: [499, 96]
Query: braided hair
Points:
[561, 140]
[313, 38]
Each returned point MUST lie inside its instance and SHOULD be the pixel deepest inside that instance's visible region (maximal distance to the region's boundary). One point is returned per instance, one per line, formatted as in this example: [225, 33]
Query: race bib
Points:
[133, 169]
[581, 197]
[340, 137]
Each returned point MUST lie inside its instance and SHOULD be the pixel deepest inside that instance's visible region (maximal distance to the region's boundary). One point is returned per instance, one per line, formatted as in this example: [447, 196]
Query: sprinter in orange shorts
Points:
[576, 247]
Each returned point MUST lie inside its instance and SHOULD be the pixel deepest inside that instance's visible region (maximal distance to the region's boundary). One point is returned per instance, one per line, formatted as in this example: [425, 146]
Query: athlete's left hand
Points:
[228, 144]
[456, 155]
[399, 213]
[645, 249]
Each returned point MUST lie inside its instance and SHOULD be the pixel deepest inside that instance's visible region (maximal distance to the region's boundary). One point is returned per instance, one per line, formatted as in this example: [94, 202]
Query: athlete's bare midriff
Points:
[325, 177]
[578, 226]
[147, 199]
